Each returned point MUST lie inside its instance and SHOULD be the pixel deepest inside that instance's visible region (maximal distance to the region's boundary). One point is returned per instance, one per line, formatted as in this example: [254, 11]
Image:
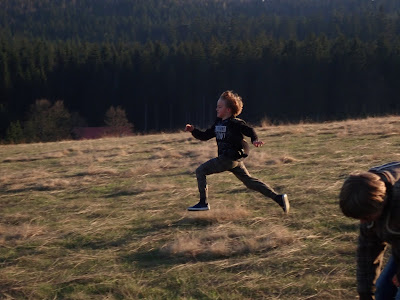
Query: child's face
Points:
[372, 217]
[223, 111]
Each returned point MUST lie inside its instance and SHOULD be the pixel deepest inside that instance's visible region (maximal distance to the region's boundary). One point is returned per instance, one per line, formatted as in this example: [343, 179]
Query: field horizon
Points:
[108, 219]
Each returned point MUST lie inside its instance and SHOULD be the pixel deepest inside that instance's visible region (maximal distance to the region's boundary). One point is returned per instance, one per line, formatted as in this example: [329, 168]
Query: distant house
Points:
[83, 133]
[87, 133]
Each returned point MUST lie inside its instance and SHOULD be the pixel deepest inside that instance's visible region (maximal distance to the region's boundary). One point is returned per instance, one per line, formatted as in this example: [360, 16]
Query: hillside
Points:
[107, 219]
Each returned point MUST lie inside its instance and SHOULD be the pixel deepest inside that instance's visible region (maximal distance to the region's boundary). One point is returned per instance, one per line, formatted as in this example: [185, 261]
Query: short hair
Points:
[233, 101]
[362, 195]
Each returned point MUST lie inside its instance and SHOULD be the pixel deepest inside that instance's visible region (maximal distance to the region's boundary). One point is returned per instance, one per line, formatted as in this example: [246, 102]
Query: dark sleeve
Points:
[396, 256]
[395, 203]
[204, 135]
[248, 131]
[370, 252]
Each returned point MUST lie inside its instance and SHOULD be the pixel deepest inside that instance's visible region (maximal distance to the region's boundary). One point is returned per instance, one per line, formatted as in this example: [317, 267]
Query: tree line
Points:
[333, 59]
[48, 122]
[174, 21]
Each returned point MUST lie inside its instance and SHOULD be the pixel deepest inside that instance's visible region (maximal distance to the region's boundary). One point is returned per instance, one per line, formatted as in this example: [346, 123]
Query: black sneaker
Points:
[199, 206]
[283, 202]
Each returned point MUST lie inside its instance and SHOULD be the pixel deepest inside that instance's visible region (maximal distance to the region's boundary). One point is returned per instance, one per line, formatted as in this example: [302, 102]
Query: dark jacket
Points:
[229, 135]
[376, 235]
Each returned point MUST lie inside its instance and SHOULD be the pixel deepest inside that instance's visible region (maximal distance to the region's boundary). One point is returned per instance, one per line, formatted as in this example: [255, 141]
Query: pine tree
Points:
[117, 122]
[47, 122]
[15, 133]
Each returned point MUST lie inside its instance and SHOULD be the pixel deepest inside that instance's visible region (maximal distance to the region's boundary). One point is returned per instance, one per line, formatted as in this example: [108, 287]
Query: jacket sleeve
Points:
[396, 256]
[204, 135]
[395, 226]
[370, 252]
[248, 131]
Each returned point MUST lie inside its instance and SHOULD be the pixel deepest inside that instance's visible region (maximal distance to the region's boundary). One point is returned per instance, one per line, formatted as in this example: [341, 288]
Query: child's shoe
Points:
[199, 206]
[283, 202]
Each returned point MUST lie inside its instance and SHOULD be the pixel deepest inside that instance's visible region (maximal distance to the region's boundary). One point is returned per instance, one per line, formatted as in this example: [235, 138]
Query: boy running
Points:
[228, 131]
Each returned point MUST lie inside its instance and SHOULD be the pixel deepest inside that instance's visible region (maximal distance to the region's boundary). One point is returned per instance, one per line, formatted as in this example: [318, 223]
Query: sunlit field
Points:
[107, 219]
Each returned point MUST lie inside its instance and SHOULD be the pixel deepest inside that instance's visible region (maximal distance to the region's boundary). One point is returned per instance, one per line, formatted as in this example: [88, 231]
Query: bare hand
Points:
[395, 281]
[258, 143]
[189, 128]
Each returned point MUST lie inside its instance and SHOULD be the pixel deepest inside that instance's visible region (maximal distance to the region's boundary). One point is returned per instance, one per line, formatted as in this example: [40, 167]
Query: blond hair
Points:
[232, 101]
[362, 195]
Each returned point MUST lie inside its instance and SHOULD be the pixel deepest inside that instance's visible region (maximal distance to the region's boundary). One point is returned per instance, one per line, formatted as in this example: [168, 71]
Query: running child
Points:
[232, 149]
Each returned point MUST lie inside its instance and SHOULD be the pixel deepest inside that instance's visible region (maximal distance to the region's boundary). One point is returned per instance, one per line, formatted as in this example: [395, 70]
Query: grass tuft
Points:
[227, 241]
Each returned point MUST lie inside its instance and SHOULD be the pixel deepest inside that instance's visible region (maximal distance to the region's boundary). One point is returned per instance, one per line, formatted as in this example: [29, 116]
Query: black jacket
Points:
[229, 135]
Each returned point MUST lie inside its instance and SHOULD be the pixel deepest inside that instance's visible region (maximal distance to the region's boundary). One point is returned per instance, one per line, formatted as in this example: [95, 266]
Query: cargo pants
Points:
[237, 167]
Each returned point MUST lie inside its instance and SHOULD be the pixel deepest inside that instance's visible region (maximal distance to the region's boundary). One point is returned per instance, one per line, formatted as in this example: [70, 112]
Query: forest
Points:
[165, 62]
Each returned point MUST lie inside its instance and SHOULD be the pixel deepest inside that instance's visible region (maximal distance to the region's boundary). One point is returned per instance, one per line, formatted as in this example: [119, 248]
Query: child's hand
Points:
[395, 281]
[258, 143]
[189, 128]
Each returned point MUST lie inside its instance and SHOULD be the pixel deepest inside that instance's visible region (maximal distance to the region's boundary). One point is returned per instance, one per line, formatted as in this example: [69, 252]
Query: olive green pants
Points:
[221, 164]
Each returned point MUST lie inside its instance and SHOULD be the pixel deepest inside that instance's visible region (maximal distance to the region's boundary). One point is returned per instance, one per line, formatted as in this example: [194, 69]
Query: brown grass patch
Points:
[260, 159]
[165, 153]
[280, 160]
[150, 168]
[217, 215]
[95, 170]
[43, 156]
[39, 180]
[15, 233]
[227, 240]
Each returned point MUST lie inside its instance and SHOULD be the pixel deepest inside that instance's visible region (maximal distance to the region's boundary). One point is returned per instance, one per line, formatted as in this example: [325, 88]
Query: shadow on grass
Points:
[81, 241]
[14, 160]
[11, 256]
[192, 246]
[33, 189]
[150, 259]
[77, 241]
[143, 258]
[149, 251]
[123, 193]
[193, 222]
[156, 257]
[345, 227]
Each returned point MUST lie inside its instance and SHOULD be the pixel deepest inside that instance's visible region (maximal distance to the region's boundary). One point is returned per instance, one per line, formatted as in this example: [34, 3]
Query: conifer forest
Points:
[165, 62]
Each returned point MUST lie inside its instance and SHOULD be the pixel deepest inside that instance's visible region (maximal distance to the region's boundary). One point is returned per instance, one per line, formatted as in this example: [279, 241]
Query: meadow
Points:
[107, 218]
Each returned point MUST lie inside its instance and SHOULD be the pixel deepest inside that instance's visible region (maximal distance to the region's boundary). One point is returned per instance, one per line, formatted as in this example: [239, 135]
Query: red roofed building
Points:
[86, 133]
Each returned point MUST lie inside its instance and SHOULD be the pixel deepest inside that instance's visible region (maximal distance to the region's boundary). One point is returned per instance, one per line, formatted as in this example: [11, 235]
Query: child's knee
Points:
[200, 171]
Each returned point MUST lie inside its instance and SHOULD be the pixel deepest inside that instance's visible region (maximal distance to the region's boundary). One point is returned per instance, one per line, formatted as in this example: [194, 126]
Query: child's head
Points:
[232, 101]
[362, 196]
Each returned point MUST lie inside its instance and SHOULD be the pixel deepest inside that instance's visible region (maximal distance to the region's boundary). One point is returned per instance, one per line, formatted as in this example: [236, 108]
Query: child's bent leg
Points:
[253, 183]
[215, 165]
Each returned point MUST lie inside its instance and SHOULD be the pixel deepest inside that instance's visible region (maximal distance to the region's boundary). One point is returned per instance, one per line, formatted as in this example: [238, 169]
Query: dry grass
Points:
[107, 219]
[228, 240]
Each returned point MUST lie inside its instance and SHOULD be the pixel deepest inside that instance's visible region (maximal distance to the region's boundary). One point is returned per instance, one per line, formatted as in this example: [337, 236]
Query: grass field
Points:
[107, 219]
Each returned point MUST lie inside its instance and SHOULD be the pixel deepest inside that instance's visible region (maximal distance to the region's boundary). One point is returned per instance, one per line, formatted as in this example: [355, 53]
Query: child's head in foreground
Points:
[362, 196]
[232, 101]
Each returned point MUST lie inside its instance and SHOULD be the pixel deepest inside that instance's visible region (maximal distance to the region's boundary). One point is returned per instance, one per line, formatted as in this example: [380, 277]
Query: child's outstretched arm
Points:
[201, 135]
